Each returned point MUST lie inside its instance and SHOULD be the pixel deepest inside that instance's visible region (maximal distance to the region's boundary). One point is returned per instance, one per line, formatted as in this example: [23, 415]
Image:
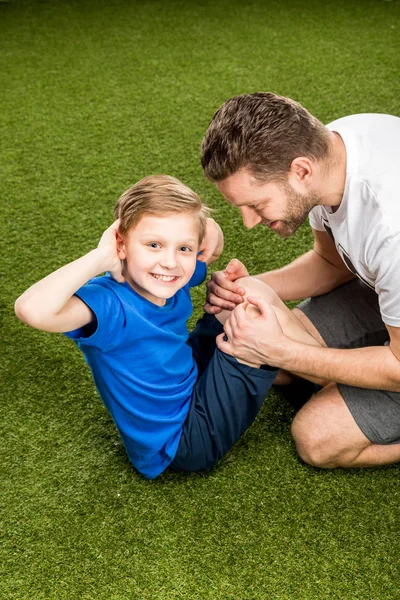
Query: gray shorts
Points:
[349, 317]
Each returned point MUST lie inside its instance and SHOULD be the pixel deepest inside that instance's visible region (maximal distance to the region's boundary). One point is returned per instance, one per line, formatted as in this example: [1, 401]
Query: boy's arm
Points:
[50, 303]
[212, 244]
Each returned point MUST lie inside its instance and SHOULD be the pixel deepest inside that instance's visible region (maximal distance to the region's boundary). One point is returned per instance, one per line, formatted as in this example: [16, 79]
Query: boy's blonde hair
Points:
[158, 195]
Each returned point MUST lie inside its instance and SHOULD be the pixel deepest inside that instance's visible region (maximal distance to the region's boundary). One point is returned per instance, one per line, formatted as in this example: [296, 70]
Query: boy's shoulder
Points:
[103, 293]
[106, 284]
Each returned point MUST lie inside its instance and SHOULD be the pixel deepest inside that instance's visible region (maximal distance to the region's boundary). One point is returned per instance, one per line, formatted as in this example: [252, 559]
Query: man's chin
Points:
[286, 230]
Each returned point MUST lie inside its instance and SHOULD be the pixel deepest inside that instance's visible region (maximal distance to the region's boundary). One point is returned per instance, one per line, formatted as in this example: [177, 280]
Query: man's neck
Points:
[333, 174]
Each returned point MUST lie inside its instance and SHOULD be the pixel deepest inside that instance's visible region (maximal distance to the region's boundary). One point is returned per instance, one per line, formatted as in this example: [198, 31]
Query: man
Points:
[278, 164]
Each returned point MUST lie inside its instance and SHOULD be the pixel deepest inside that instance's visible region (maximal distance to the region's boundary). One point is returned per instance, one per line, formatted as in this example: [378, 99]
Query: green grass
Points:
[93, 96]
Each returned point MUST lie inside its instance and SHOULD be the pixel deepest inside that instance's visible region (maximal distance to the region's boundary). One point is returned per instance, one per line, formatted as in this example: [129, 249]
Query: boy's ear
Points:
[120, 246]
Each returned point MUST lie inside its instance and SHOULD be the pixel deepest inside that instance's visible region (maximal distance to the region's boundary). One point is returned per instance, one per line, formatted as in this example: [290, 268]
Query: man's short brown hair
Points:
[263, 133]
[158, 195]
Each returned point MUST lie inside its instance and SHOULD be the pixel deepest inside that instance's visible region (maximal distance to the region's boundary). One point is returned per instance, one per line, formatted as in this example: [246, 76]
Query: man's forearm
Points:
[308, 275]
[373, 367]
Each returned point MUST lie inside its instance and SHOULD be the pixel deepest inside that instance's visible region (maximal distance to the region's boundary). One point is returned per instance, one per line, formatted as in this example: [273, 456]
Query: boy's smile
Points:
[165, 278]
[160, 254]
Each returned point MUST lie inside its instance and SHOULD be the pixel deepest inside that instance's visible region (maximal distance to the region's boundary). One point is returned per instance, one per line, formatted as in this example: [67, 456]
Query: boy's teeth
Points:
[164, 277]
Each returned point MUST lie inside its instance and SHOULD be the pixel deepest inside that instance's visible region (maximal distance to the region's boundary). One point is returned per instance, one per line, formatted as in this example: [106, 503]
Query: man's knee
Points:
[327, 444]
[310, 445]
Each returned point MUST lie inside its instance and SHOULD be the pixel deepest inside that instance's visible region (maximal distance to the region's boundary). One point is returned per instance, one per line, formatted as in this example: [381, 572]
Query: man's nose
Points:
[249, 216]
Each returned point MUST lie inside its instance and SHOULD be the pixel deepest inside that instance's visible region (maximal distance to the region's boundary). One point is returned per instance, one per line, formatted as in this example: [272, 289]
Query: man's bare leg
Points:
[325, 432]
[327, 435]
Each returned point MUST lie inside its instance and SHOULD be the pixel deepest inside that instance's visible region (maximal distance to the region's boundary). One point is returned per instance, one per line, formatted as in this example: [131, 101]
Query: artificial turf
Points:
[94, 95]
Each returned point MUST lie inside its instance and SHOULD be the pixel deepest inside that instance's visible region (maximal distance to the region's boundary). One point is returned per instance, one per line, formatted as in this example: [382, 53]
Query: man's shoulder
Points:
[365, 121]
[372, 144]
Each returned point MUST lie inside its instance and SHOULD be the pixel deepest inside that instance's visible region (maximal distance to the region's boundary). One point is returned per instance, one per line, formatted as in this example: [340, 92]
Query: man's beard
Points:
[299, 207]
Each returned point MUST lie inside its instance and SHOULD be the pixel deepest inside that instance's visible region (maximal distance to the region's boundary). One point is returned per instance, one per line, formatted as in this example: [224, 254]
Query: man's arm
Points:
[262, 340]
[50, 304]
[313, 273]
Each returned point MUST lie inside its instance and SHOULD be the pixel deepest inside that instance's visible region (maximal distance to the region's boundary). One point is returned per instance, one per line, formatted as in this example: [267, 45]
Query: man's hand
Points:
[221, 290]
[255, 340]
[212, 244]
[108, 245]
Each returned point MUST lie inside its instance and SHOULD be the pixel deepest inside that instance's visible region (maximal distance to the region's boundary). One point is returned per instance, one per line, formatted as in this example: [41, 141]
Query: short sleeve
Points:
[104, 333]
[199, 274]
[385, 264]
[315, 218]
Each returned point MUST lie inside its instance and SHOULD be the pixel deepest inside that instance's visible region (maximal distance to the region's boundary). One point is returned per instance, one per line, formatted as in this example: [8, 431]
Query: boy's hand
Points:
[108, 245]
[221, 289]
[212, 244]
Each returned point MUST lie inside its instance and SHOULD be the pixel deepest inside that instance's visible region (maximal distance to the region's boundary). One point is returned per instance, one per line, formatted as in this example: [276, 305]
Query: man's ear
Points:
[120, 246]
[301, 171]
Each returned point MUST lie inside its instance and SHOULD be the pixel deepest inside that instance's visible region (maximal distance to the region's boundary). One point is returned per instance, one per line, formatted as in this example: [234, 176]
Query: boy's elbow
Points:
[22, 311]
[27, 313]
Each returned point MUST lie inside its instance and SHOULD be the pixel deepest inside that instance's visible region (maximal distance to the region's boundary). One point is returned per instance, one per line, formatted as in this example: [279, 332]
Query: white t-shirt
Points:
[366, 225]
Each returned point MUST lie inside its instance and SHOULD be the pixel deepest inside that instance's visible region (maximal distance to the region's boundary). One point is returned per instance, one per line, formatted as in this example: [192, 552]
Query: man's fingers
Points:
[228, 328]
[211, 309]
[220, 302]
[222, 293]
[263, 306]
[225, 294]
[230, 325]
[220, 280]
[223, 345]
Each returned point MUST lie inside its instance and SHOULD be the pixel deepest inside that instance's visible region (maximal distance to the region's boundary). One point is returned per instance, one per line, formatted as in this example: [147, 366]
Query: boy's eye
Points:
[185, 249]
[154, 245]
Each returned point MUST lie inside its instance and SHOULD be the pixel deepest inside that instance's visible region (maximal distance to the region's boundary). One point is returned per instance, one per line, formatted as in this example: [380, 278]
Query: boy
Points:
[176, 401]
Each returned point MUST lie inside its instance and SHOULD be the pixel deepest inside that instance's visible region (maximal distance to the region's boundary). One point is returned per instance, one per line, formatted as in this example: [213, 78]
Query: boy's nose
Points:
[249, 216]
[168, 260]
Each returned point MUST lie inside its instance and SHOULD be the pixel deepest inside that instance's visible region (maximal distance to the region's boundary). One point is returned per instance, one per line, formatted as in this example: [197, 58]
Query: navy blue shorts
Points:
[226, 399]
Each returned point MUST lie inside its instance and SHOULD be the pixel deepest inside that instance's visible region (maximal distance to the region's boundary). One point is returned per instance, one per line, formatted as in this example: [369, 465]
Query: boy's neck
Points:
[149, 297]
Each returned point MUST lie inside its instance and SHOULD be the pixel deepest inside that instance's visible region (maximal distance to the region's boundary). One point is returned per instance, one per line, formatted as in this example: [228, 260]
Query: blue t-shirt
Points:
[142, 365]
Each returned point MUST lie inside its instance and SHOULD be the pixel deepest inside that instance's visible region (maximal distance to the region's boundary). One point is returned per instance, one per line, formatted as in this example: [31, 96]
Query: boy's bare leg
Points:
[290, 323]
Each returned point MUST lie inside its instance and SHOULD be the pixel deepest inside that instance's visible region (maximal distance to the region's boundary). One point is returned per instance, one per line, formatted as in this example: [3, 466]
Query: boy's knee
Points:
[255, 287]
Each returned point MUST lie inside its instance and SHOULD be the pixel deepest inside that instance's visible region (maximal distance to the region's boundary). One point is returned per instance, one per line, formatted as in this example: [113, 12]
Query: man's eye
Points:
[154, 245]
[185, 249]
[254, 205]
